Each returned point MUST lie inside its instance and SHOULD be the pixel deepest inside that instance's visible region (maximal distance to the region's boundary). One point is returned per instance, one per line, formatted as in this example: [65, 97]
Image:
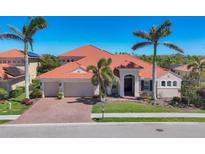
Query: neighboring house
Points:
[16, 57]
[11, 77]
[181, 70]
[133, 76]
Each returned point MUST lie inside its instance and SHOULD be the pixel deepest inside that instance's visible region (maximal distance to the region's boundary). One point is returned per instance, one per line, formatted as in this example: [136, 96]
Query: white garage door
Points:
[51, 89]
[78, 89]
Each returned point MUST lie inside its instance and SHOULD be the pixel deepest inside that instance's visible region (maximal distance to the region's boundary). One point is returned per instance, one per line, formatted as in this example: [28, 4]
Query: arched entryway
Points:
[129, 85]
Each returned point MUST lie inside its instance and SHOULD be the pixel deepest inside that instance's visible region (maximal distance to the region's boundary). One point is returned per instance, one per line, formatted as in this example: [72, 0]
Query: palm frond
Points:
[102, 62]
[16, 31]
[92, 68]
[109, 61]
[10, 36]
[140, 45]
[30, 41]
[173, 46]
[164, 27]
[142, 34]
[36, 24]
[94, 80]
[192, 65]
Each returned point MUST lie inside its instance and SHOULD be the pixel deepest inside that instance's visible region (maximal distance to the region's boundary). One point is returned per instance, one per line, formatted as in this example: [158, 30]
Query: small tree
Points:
[102, 77]
[197, 66]
[47, 63]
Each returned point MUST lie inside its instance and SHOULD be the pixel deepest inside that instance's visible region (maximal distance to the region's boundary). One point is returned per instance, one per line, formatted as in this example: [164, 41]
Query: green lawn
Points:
[150, 120]
[123, 107]
[4, 121]
[17, 106]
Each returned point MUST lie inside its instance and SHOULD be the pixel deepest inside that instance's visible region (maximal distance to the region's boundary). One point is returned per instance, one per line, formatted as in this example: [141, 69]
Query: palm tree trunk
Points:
[154, 75]
[26, 70]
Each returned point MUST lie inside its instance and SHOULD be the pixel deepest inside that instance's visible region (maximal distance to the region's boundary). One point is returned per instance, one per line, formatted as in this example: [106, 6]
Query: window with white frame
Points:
[174, 83]
[163, 83]
[169, 83]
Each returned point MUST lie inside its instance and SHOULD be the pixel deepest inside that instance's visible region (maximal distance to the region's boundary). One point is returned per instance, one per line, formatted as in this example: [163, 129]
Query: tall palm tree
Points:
[197, 66]
[153, 37]
[102, 77]
[26, 36]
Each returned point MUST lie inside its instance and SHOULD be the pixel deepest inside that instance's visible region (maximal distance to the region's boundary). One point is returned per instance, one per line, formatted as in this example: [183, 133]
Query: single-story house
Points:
[11, 77]
[133, 76]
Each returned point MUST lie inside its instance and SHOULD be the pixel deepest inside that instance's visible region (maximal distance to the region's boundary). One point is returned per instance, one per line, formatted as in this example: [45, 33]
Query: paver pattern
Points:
[52, 110]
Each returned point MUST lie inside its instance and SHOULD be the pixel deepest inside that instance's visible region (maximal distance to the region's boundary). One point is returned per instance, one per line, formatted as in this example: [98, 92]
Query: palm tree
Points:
[197, 66]
[26, 36]
[102, 77]
[153, 37]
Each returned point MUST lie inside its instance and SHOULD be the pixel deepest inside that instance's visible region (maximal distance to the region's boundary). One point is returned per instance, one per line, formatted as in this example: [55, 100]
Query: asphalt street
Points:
[104, 130]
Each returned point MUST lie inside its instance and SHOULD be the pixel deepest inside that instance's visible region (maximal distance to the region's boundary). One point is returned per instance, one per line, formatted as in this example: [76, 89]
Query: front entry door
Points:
[128, 86]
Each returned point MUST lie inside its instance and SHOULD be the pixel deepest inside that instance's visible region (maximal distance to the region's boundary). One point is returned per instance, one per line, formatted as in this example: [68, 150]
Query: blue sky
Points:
[110, 33]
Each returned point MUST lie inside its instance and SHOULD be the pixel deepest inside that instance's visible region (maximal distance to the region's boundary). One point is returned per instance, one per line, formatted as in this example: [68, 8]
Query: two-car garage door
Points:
[78, 89]
[70, 89]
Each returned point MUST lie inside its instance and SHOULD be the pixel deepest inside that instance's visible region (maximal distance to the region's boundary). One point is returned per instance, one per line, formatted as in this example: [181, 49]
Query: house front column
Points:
[122, 85]
[137, 84]
[42, 88]
[61, 88]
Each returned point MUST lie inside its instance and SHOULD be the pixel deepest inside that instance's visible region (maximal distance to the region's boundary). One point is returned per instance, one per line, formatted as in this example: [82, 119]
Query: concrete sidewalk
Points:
[9, 117]
[148, 115]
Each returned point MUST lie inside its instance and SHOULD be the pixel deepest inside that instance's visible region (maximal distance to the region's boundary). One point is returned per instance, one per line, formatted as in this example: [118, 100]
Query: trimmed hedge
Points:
[17, 92]
[3, 93]
[36, 93]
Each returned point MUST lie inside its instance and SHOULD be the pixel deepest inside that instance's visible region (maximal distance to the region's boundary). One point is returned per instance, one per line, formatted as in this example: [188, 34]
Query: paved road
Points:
[108, 130]
[146, 115]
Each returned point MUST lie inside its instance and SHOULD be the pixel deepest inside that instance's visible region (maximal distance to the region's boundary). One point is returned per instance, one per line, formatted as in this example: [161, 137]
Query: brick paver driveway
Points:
[52, 110]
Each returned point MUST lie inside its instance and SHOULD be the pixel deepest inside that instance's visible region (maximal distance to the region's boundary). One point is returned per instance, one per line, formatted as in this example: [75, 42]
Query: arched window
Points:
[169, 83]
[174, 83]
[163, 83]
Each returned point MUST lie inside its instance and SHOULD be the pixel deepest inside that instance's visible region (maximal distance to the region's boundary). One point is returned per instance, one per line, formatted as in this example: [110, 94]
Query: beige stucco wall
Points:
[12, 84]
[169, 91]
[33, 65]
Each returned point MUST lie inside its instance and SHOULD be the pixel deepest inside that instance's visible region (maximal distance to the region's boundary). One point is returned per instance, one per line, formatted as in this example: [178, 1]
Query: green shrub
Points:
[3, 93]
[36, 93]
[36, 84]
[60, 95]
[17, 92]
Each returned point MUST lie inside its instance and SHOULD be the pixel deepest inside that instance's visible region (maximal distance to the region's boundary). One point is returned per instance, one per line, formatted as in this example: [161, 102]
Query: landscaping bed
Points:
[135, 107]
[150, 120]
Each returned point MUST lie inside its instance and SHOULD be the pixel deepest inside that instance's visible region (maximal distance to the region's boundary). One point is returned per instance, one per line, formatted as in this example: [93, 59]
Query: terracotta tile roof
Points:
[182, 68]
[85, 51]
[13, 53]
[10, 72]
[16, 53]
[93, 56]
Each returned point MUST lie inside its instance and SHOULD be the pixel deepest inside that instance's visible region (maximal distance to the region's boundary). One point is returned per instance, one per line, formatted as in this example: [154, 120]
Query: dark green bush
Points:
[3, 93]
[35, 84]
[36, 93]
[17, 92]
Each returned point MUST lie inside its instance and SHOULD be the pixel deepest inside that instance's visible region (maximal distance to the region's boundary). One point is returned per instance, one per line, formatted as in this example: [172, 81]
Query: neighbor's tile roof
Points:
[182, 68]
[92, 55]
[16, 53]
[9, 71]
